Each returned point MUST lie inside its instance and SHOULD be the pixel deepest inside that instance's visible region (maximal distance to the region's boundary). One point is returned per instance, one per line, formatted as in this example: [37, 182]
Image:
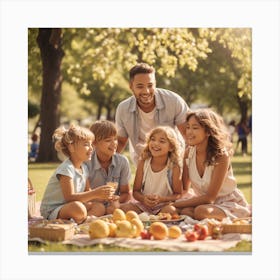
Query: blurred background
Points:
[79, 75]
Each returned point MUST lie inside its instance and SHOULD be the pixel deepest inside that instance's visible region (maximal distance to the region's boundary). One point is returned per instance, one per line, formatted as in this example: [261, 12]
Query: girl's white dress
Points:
[154, 183]
[230, 199]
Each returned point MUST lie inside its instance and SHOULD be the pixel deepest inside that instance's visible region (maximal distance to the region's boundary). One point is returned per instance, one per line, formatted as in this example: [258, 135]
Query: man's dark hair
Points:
[140, 68]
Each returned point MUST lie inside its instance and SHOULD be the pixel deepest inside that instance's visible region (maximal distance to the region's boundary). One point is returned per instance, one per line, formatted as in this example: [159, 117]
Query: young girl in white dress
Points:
[207, 168]
[158, 174]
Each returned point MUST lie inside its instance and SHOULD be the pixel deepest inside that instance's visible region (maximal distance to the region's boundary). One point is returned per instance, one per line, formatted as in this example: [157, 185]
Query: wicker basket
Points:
[31, 200]
[235, 228]
[52, 230]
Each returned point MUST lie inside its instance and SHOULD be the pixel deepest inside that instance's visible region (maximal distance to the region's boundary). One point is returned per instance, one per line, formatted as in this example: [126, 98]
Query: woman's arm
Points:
[185, 176]
[215, 185]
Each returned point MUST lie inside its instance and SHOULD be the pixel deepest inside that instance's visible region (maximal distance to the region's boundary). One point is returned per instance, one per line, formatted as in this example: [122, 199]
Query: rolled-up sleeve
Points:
[181, 110]
[120, 115]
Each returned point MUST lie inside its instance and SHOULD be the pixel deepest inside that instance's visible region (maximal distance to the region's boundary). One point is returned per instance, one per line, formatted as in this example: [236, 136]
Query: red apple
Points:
[191, 235]
[145, 234]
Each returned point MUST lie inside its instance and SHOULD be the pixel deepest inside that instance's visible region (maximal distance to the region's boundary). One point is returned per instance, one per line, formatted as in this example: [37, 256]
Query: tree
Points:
[49, 42]
[211, 64]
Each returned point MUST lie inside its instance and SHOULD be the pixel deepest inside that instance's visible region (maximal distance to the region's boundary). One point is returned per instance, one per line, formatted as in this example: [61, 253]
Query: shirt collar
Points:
[96, 163]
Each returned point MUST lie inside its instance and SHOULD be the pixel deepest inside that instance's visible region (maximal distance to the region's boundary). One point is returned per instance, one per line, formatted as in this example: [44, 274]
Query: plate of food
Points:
[166, 218]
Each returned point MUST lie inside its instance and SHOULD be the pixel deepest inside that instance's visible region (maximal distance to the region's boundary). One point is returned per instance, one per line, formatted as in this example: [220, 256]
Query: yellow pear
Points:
[112, 228]
[139, 226]
[98, 229]
[174, 232]
[125, 229]
[118, 215]
[131, 215]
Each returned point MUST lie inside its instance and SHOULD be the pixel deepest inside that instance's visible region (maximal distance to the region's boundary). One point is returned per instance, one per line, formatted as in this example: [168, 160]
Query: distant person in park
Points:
[207, 169]
[147, 108]
[34, 147]
[232, 129]
[158, 174]
[68, 194]
[108, 166]
[242, 131]
[250, 124]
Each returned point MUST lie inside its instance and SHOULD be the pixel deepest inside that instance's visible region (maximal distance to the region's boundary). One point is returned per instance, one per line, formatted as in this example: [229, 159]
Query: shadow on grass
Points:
[35, 165]
[244, 185]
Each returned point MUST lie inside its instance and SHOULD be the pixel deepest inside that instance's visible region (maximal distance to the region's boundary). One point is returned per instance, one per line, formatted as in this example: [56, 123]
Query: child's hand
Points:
[151, 200]
[104, 192]
[114, 201]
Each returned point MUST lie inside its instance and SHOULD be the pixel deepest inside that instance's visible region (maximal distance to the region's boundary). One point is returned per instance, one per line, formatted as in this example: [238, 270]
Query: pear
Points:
[125, 229]
[118, 215]
[98, 229]
[131, 215]
[139, 226]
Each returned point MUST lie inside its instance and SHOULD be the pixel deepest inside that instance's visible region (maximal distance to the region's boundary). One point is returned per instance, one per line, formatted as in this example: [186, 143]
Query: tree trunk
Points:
[49, 42]
[99, 111]
[243, 105]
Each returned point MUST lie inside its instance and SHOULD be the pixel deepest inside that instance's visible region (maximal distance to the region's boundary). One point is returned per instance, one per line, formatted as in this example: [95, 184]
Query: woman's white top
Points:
[201, 184]
[156, 182]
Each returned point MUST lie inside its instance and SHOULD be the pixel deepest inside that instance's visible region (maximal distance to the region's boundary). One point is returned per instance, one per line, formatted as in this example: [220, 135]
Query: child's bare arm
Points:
[137, 186]
[68, 190]
[124, 193]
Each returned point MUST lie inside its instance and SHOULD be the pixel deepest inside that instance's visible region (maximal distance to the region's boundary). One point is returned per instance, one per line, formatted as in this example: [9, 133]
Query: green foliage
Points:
[34, 66]
[210, 65]
[33, 109]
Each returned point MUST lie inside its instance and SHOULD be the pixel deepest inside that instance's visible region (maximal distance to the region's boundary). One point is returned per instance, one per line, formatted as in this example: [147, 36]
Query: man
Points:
[147, 108]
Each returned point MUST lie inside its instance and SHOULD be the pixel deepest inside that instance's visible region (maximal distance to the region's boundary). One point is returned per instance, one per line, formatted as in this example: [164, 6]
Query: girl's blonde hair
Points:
[175, 154]
[219, 137]
[64, 137]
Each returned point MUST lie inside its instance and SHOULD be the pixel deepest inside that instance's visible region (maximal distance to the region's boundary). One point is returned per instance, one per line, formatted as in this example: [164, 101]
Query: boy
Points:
[108, 166]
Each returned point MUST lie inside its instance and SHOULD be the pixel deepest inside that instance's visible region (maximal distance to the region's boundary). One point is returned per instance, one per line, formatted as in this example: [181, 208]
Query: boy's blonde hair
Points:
[64, 137]
[175, 153]
[103, 129]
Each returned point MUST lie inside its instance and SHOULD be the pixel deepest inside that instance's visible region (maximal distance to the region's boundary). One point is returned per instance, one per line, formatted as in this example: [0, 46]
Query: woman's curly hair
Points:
[175, 153]
[219, 137]
[64, 137]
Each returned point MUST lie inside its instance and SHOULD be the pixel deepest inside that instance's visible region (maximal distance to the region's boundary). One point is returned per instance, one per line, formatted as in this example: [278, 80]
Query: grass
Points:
[39, 173]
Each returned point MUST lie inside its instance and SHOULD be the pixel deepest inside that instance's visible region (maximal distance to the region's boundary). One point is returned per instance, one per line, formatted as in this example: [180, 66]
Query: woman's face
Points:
[195, 133]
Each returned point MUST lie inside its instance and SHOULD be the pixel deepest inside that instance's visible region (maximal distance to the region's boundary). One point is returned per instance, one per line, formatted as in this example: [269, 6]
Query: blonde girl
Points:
[67, 195]
[158, 174]
[207, 168]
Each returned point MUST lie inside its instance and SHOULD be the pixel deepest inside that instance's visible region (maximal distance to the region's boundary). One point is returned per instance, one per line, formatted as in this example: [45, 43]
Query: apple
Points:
[145, 234]
[202, 231]
[191, 235]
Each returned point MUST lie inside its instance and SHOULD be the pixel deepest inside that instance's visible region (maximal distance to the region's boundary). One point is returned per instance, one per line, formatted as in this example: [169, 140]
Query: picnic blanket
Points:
[172, 245]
